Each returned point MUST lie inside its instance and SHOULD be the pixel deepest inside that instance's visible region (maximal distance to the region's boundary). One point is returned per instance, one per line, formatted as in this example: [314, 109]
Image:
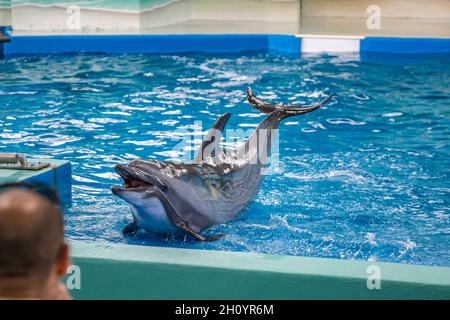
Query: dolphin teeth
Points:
[135, 183]
[129, 180]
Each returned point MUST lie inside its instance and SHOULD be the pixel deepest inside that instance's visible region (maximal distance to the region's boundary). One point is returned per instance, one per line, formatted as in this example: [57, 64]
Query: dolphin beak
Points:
[123, 171]
[131, 181]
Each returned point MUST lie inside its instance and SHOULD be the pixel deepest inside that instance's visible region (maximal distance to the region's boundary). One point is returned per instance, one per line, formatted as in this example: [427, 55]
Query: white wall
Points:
[389, 8]
[246, 10]
[54, 17]
[5, 17]
[347, 17]
[171, 13]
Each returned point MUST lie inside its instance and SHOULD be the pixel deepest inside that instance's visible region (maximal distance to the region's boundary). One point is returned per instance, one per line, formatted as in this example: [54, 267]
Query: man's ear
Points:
[63, 261]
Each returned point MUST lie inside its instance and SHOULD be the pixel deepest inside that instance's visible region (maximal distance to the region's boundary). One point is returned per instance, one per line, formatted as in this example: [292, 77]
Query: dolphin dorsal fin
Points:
[211, 143]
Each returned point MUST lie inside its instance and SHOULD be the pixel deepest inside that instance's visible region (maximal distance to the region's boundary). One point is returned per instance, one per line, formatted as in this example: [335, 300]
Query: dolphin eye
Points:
[164, 187]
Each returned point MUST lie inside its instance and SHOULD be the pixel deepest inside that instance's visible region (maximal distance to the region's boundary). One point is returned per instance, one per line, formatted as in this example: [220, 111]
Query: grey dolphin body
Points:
[215, 188]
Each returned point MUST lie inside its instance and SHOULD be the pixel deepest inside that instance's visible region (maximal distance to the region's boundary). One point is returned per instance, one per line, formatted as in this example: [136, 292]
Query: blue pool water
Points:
[366, 177]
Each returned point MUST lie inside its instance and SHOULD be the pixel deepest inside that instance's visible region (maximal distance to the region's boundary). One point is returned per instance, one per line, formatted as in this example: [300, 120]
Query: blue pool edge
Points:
[216, 43]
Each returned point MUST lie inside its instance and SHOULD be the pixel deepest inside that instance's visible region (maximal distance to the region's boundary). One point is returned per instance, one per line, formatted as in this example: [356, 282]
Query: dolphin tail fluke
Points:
[286, 110]
[258, 104]
[293, 110]
[197, 235]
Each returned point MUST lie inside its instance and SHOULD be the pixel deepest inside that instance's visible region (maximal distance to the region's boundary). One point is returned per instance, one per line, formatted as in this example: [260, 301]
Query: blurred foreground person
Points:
[33, 254]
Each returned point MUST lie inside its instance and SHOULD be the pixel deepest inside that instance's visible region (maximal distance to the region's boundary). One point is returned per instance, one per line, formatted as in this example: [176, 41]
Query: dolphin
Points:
[171, 197]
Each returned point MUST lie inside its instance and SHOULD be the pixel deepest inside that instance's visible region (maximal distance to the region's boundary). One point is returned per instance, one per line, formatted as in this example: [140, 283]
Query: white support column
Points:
[329, 44]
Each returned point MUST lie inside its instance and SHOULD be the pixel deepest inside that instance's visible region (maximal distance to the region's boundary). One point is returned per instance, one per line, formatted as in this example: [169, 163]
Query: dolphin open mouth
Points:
[130, 180]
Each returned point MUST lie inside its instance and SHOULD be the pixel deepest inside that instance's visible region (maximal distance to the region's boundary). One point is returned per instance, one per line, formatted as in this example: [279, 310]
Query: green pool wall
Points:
[116, 271]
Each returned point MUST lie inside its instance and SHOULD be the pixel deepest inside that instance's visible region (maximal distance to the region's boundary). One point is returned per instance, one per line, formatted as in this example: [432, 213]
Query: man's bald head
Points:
[31, 234]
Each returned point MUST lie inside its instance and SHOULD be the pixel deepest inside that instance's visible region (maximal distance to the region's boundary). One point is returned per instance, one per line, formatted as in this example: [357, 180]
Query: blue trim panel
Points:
[156, 44]
[405, 45]
[153, 44]
[59, 178]
[284, 44]
[63, 183]
[5, 30]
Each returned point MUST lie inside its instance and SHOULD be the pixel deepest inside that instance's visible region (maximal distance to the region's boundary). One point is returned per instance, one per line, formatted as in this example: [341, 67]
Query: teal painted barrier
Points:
[57, 176]
[112, 271]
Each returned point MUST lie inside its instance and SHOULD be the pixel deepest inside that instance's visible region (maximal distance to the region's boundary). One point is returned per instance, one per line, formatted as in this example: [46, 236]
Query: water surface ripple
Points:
[365, 178]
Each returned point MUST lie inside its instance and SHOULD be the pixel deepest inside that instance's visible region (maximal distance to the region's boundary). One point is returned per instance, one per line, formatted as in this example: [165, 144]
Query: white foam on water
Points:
[282, 222]
[83, 179]
[248, 125]
[345, 121]
[316, 125]
[407, 245]
[361, 96]
[327, 175]
[145, 142]
[234, 79]
[86, 89]
[250, 115]
[371, 238]
[106, 175]
[117, 113]
[172, 112]
[392, 114]
[168, 122]
[106, 120]
[17, 92]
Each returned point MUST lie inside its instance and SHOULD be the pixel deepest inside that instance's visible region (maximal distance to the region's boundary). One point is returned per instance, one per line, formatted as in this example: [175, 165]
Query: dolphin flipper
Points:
[130, 228]
[212, 140]
[198, 236]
